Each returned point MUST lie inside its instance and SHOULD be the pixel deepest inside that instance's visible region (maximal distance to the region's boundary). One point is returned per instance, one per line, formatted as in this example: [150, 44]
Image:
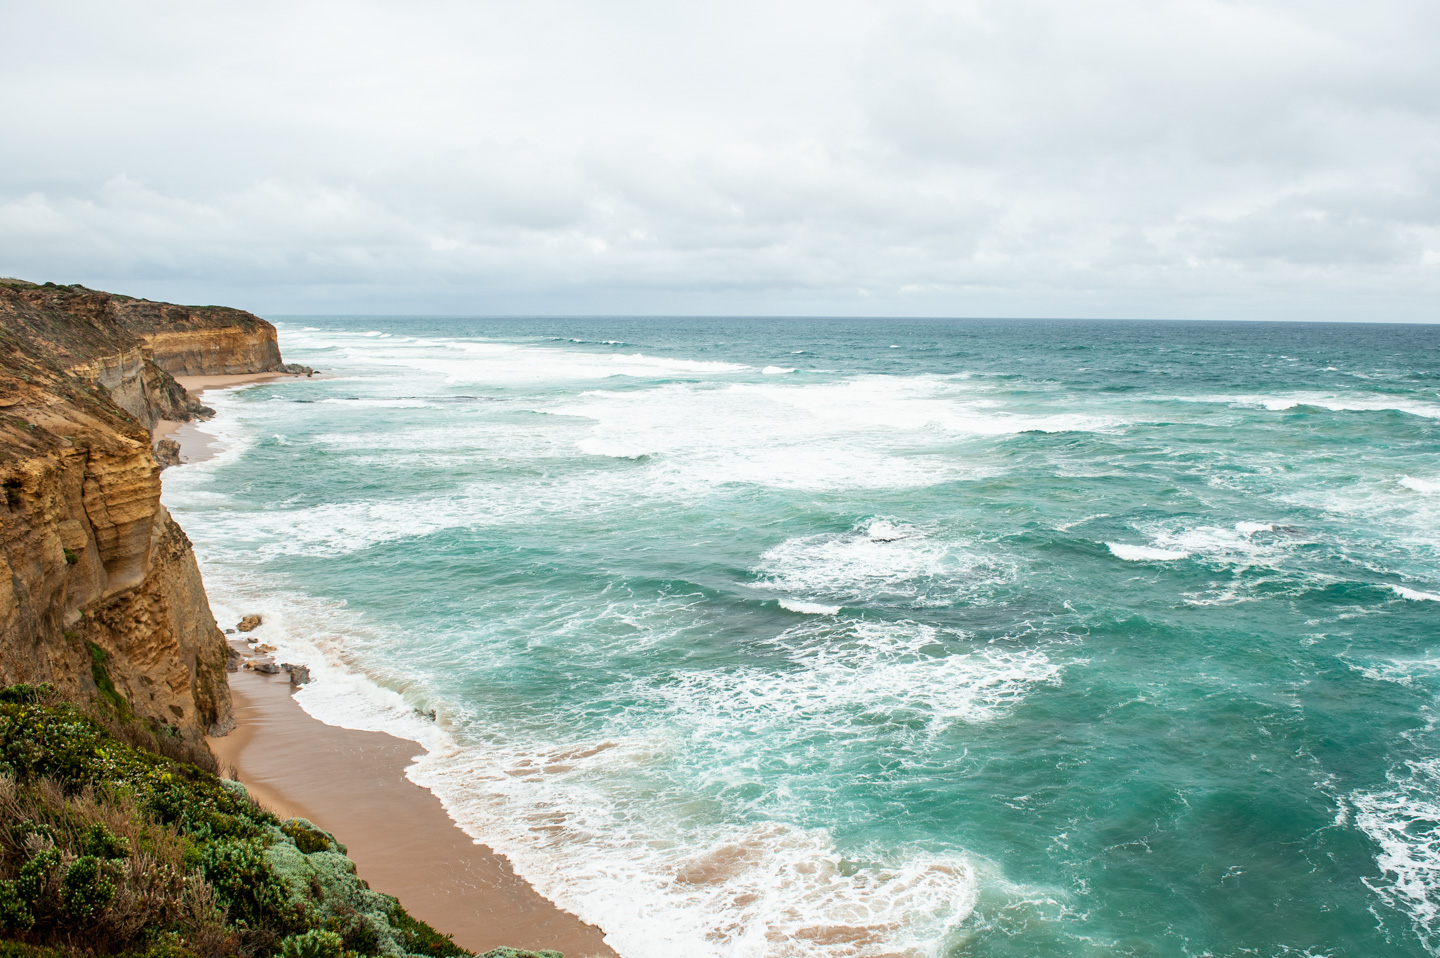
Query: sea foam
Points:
[879, 560]
[1134, 553]
[1403, 821]
[808, 608]
[1333, 402]
[1414, 595]
[710, 890]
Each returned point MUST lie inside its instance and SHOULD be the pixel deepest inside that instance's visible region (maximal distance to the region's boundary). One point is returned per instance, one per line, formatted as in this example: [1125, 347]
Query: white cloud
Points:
[1189, 158]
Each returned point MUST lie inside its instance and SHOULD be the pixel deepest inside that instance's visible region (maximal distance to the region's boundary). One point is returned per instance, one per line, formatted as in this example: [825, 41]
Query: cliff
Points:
[99, 590]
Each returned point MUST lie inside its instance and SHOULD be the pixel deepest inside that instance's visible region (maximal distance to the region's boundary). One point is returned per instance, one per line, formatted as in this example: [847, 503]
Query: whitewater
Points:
[849, 639]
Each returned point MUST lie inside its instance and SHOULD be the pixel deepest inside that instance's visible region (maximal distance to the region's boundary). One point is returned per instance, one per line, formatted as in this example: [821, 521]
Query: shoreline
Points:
[352, 784]
[195, 445]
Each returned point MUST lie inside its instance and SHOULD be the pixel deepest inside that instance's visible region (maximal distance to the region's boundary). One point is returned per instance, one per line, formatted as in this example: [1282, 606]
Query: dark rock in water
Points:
[266, 667]
[294, 369]
[167, 453]
[248, 623]
[299, 674]
[229, 631]
[426, 714]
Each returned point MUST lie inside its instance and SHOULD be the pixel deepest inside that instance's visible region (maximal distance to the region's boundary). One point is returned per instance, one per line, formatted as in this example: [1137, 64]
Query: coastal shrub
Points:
[23, 693]
[15, 913]
[103, 843]
[86, 889]
[360, 935]
[86, 870]
[108, 847]
[149, 736]
[308, 838]
[36, 877]
[247, 887]
[168, 946]
[312, 944]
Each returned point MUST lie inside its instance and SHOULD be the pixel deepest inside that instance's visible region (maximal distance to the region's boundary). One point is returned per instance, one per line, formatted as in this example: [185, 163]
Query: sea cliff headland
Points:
[107, 636]
[100, 593]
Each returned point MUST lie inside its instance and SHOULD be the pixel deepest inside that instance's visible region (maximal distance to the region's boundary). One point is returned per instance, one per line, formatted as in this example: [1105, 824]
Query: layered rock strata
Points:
[99, 590]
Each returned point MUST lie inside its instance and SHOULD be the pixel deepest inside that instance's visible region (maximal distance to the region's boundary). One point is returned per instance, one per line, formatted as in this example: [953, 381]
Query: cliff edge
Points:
[99, 591]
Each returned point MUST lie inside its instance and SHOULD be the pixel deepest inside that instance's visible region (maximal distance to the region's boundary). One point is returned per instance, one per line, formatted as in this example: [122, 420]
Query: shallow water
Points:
[862, 638]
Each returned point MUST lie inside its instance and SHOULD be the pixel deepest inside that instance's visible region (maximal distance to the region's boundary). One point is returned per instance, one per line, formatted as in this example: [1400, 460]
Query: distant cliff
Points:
[99, 590]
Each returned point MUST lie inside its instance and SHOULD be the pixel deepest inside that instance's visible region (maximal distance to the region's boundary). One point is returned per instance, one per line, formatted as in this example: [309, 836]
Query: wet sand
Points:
[353, 784]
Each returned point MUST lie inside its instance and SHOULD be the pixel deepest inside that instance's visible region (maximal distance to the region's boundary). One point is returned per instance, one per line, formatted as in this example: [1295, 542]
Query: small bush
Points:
[306, 836]
[15, 913]
[36, 876]
[312, 944]
[86, 890]
[100, 842]
[25, 694]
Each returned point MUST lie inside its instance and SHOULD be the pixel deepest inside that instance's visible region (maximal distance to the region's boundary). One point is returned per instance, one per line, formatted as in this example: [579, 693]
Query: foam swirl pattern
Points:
[830, 639]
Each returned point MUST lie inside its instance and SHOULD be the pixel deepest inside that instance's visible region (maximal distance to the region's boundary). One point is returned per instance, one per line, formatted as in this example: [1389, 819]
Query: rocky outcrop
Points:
[167, 453]
[99, 589]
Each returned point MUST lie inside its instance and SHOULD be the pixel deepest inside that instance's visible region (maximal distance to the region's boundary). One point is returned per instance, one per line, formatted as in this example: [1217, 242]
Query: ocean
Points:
[803, 638]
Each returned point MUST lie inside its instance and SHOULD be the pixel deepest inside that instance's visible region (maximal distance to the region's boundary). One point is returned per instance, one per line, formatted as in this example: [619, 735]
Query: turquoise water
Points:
[862, 638]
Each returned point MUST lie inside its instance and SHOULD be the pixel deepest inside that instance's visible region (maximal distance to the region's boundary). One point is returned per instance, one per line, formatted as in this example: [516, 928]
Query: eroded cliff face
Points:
[215, 352]
[201, 340]
[97, 582]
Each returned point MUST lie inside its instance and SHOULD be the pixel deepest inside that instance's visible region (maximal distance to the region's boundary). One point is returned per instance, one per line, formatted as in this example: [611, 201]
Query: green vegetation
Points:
[112, 843]
[108, 693]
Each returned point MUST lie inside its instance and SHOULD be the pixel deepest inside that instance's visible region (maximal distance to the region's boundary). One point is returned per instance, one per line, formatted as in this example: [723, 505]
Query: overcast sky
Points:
[1277, 159]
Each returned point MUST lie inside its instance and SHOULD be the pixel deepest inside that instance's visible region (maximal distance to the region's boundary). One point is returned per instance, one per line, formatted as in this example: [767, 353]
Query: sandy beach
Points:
[195, 445]
[353, 784]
